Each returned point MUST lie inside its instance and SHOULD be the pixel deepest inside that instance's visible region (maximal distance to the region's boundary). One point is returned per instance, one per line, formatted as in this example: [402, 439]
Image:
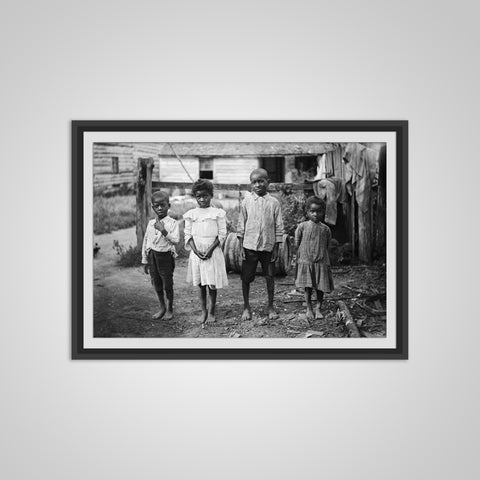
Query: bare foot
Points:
[210, 318]
[159, 314]
[272, 314]
[169, 315]
[318, 313]
[309, 314]
[203, 317]
[247, 315]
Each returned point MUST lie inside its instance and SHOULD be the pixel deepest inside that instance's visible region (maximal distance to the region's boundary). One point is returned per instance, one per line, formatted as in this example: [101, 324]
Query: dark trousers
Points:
[249, 265]
[162, 265]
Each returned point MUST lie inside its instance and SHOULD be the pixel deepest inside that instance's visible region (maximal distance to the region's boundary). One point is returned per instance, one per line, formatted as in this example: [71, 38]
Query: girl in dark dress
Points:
[312, 239]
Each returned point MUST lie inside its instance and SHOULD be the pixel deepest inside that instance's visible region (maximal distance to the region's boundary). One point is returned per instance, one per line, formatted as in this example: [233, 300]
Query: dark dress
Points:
[313, 262]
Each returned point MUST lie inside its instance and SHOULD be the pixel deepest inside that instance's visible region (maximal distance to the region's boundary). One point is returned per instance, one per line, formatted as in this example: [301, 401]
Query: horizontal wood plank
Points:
[272, 187]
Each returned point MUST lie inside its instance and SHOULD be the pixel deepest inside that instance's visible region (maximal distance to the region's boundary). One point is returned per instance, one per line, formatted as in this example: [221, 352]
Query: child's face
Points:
[203, 198]
[259, 183]
[315, 213]
[160, 206]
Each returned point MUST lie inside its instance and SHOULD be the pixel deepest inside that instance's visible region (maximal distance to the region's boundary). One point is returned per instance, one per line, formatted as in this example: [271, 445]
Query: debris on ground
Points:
[124, 304]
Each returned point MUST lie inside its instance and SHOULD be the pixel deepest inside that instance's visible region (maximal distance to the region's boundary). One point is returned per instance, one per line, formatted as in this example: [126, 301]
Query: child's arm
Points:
[173, 236]
[298, 236]
[222, 233]
[279, 228]
[242, 218]
[193, 247]
[279, 231]
[189, 242]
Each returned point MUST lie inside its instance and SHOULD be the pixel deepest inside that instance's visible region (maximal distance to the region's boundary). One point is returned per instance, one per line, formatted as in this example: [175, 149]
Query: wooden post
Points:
[148, 187]
[365, 224]
[382, 201]
[144, 196]
[364, 235]
[352, 222]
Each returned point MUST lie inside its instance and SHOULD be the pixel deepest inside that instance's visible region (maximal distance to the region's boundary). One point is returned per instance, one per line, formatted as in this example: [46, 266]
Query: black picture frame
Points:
[397, 128]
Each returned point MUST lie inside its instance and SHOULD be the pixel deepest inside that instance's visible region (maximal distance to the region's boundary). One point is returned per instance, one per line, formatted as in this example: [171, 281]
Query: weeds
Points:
[293, 211]
[113, 213]
[128, 257]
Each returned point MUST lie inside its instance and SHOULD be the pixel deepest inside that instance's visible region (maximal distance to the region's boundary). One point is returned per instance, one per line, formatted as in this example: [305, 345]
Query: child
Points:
[158, 253]
[312, 239]
[260, 231]
[205, 228]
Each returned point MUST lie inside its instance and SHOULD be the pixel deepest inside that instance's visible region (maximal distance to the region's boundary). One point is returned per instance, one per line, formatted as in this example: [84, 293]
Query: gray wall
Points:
[238, 60]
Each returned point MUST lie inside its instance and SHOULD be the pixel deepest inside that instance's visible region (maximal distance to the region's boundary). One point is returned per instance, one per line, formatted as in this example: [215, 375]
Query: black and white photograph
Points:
[270, 242]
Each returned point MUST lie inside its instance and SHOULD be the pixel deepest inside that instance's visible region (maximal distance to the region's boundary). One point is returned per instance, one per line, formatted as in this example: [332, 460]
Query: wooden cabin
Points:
[115, 164]
[233, 162]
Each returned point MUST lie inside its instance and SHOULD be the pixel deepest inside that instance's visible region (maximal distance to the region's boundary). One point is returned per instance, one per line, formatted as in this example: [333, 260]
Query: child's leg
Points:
[203, 303]
[169, 295]
[272, 314]
[213, 300]
[308, 301]
[249, 265]
[168, 285]
[318, 313]
[247, 313]
[268, 272]
[157, 285]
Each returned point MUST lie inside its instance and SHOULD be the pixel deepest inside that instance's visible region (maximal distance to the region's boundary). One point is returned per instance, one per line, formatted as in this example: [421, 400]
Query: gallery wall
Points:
[152, 60]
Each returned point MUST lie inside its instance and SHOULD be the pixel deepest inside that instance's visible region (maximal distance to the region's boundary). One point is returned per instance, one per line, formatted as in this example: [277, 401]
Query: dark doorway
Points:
[275, 166]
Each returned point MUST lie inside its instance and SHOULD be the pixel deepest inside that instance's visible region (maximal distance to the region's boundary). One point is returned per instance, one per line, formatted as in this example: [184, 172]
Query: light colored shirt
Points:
[260, 222]
[155, 240]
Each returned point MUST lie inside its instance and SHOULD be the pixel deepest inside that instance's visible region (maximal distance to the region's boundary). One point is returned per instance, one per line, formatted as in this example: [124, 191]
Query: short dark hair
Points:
[160, 195]
[262, 171]
[315, 201]
[202, 184]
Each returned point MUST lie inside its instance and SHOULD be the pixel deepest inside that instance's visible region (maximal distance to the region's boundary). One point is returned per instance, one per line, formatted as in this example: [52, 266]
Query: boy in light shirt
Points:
[260, 231]
[158, 253]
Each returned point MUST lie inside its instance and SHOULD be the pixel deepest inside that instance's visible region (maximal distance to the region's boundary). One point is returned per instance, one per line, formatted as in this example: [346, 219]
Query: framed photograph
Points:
[239, 240]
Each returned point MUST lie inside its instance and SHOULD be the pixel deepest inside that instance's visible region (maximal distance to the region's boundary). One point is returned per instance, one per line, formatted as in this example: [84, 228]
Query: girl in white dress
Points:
[205, 228]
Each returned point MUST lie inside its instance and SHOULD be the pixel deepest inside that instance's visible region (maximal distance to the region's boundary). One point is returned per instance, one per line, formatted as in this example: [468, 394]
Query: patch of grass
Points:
[113, 213]
[127, 257]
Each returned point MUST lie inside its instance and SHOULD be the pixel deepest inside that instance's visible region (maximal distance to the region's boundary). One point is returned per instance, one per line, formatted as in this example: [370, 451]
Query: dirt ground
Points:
[124, 302]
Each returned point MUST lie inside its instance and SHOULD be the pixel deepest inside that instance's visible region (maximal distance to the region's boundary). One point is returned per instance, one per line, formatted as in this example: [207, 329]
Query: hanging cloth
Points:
[331, 190]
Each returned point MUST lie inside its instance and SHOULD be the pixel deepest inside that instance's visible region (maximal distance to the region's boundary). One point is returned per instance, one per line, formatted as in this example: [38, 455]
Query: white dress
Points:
[204, 225]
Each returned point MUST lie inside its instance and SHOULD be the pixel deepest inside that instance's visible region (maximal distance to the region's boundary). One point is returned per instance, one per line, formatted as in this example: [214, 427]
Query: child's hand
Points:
[201, 256]
[159, 225]
[242, 254]
[146, 269]
[274, 253]
[207, 255]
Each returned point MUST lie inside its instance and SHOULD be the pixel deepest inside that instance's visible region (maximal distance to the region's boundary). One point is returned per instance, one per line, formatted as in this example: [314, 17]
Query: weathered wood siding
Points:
[225, 170]
[103, 154]
[233, 170]
[103, 174]
[171, 170]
